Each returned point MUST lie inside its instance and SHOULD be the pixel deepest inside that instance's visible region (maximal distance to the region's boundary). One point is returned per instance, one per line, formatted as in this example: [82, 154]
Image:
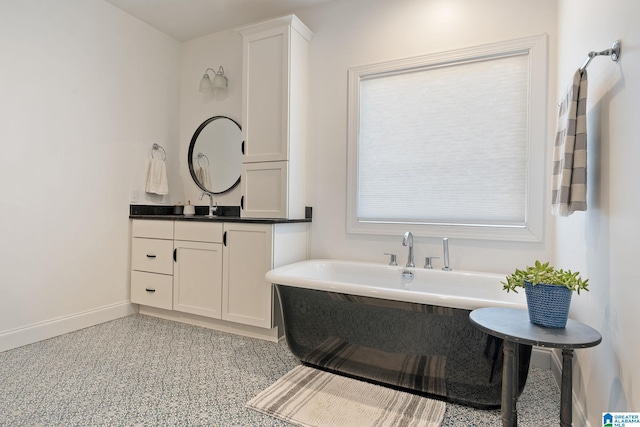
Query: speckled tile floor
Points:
[144, 371]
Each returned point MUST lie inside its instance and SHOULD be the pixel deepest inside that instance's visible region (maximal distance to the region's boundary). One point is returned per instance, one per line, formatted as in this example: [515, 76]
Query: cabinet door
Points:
[264, 190]
[197, 278]
[247, 297]
[266, 93]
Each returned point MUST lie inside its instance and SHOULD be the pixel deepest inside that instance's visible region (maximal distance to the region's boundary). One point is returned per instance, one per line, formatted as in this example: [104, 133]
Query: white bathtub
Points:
[366, 321]
[456, 289]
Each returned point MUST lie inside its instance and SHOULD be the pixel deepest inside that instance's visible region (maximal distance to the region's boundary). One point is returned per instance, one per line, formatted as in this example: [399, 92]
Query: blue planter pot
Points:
[548, 304]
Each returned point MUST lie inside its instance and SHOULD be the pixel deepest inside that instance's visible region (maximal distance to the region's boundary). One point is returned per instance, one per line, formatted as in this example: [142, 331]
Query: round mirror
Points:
[215, 157]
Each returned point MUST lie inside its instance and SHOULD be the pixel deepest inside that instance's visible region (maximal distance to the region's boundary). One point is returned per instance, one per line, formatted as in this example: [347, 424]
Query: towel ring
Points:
[202, 156]
[156, 147]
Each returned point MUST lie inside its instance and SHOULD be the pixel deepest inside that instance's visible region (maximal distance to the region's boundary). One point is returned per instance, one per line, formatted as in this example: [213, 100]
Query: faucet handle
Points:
[428, 263]
[392, 258]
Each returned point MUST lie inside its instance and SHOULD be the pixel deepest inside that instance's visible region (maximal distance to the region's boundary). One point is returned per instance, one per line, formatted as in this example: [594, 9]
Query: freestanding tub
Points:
[403, 328]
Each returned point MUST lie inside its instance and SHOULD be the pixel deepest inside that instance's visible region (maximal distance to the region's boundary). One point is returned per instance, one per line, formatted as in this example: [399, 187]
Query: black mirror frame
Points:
[190, 155]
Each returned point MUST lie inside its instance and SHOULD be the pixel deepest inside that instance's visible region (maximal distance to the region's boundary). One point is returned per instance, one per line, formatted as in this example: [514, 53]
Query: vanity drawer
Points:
[154, 290]
[199, 231]
[152, 229]
[152, 255]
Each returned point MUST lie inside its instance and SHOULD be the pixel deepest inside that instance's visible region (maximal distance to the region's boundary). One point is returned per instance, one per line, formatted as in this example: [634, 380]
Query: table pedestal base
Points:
[566, 388]
[509, 407]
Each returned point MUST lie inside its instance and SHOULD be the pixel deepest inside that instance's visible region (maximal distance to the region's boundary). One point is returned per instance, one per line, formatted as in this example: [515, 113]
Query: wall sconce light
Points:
[219, 83]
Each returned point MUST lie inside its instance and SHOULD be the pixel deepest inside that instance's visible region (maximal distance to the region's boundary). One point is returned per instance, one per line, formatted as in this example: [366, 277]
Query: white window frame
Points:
[533, 228]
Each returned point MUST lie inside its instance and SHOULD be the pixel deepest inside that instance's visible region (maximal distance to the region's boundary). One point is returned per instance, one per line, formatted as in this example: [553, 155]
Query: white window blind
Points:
[450, 144]
[445, 144]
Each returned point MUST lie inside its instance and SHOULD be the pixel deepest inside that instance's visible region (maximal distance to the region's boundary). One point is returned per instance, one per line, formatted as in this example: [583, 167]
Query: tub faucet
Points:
[212, 208]
[445, 247]
[408, 241]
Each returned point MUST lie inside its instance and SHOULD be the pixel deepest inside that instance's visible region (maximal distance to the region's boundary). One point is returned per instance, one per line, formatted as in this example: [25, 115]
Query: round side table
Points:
[513, 326]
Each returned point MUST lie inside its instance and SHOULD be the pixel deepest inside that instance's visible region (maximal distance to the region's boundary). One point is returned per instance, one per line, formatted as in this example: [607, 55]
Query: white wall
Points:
[358, 32]
[602, 242]
[212, 51]
[355, 32]
[85, 91]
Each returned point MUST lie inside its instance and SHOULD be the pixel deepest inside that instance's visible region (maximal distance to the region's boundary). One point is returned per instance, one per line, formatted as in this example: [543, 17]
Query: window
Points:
[450, 144]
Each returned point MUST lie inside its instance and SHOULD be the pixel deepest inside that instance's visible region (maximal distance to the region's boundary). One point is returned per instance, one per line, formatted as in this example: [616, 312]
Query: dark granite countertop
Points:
[227, 214]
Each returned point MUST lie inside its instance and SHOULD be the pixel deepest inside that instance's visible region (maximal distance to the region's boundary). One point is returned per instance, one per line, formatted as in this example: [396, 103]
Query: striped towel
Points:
[569, 191]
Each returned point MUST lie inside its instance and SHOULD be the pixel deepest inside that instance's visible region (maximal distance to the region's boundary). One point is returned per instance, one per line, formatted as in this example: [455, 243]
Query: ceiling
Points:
[187, 19]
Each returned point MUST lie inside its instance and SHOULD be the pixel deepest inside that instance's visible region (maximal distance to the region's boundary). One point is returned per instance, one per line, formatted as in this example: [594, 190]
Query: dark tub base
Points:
[428, 350]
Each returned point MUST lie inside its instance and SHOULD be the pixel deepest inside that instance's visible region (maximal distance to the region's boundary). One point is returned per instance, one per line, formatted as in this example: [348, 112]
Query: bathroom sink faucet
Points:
[212, 208]
[408, 241]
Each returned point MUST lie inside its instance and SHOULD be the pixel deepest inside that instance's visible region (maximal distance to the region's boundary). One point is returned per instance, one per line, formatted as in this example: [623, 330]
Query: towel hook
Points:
[156, 147]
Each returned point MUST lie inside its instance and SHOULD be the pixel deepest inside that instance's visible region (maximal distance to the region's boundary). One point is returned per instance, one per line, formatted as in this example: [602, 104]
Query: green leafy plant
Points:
[545, 274]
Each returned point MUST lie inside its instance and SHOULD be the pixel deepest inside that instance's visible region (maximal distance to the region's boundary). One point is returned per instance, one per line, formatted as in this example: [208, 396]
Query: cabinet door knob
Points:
[224, 238]
[175, 255]
[242, 147]
[150, 290]
[150, 256]
[242, 202]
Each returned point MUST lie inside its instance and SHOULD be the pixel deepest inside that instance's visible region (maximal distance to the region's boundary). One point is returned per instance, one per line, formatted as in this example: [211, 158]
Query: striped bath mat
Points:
[313, 398]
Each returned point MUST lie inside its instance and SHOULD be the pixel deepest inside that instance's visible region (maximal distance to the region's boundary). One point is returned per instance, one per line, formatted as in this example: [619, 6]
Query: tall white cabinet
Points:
[274, 117]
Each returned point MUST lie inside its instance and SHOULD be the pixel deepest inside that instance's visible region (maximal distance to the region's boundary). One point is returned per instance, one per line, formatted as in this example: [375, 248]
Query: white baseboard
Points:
[62, 325]
[579, 416]
[267, 334]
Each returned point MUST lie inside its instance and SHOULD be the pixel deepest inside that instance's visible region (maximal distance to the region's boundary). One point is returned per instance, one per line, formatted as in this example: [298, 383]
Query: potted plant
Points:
[548, 292]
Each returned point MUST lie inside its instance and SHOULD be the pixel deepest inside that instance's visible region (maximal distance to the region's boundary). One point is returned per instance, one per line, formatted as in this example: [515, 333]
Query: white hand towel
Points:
[157, 177]
[203, 176]
[569, 191]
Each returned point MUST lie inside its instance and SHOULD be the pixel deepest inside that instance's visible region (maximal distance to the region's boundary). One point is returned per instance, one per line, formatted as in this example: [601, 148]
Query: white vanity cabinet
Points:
[250, 251]
[197, 276]
[152, 263]
[274, 115]
[211, 273]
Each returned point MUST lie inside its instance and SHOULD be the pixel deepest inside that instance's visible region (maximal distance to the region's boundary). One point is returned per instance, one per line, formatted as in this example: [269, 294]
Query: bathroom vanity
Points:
[210, 271]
